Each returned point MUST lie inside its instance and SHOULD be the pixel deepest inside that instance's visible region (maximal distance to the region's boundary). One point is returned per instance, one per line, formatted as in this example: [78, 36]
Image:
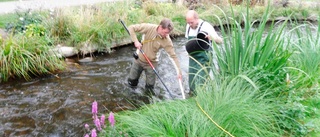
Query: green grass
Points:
[313, 117]
[231, 108]
[306, 50]
[7, 18]
[26, 58]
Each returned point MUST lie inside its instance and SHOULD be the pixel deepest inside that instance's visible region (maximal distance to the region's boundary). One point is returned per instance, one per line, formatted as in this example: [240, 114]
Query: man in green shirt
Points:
[154, 38]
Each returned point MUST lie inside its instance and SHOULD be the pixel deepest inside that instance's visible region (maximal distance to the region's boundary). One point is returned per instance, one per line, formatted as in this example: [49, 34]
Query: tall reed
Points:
[305, 62]
[23, 57]
[253, 46]
[301, 93]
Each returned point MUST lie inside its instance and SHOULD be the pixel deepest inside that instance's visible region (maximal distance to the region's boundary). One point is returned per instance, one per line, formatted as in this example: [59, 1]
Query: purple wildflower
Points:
[97, 123]
[86, 135]
[93, 133]
[111, 119]
[86, 126]
[102, 120]
[94, 117]
[95, 108]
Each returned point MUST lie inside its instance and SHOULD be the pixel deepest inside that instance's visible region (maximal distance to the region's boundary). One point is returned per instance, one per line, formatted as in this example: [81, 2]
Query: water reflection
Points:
[54, 107]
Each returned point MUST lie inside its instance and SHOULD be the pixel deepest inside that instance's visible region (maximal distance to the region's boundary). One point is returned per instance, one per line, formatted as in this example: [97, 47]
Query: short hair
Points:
[166, 24]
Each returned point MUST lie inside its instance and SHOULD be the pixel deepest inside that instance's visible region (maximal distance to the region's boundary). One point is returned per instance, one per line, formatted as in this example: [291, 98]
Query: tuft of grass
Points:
[235, 104]
[305, 62]
[232, 105]
[23, 57]
[302, 89]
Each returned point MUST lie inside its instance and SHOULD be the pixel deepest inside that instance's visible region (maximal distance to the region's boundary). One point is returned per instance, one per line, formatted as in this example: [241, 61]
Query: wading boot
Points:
[149, 90]
[133, 83]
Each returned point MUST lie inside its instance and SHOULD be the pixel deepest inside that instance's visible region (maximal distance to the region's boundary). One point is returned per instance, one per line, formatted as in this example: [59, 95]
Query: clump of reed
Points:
[26, 57]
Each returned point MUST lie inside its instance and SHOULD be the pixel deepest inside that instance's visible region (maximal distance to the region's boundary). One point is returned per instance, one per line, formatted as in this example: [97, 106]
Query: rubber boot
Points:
[133, 82]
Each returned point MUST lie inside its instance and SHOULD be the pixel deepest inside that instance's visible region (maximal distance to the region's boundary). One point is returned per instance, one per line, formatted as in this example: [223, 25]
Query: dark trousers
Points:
[198, 69]
[136, 70]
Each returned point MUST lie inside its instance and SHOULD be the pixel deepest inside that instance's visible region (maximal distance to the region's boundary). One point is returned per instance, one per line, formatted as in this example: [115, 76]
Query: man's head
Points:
[165, 27]
[192, 19]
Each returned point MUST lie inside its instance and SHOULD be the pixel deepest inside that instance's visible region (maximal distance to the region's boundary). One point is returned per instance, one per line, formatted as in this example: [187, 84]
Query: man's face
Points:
[164, 32]
[192, 22]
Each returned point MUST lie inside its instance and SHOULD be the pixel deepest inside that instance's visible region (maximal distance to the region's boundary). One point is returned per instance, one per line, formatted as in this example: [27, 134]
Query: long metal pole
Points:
[149, 62]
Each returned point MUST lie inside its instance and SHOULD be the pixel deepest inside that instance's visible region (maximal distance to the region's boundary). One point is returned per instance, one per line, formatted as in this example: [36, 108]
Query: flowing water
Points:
[59, 106]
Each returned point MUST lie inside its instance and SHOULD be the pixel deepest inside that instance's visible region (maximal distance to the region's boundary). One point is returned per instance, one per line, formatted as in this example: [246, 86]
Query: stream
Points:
[59, 105]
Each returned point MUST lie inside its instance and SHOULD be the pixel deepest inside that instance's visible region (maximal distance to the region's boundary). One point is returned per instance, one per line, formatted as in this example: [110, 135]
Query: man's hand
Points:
[137, 44]
[208, 37]
[217, 39]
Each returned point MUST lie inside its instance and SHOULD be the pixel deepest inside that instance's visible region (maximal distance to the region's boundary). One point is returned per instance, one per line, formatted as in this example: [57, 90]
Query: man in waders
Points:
[198, 56]
[154, 38]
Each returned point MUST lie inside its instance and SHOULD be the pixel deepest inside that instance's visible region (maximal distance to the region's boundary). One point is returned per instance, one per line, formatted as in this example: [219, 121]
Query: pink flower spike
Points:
[95, 107]
[86, 135]
[93, 133]
[94, 117]
[86, 126]
[111, 119]
[97, 123]
[102, 120]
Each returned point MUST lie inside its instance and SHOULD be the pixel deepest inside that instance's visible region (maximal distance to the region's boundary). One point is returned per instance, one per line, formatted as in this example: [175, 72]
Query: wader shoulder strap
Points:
[198, 29]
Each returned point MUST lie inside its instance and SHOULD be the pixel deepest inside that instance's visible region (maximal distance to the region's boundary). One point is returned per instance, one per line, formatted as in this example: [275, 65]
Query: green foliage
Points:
[277, 60]
[306, 60]
[163, 9]
[59, 27]
[297, 108]
[6, 18]
[298, 115]
[250, 48]
[231, 104]
[35, 30]
[313, 113]
[24, 19]
[24, 57]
